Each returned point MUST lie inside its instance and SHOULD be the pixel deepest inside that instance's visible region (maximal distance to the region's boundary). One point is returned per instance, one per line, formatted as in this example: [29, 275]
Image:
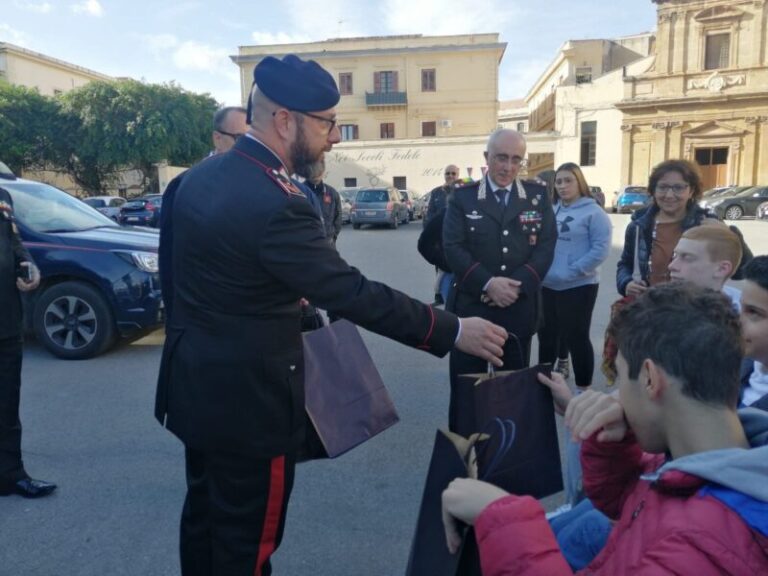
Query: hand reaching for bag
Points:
[463, 501]
[483, 339]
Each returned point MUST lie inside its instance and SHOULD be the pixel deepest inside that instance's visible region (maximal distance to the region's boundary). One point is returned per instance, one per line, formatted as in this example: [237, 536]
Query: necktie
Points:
[501, 196]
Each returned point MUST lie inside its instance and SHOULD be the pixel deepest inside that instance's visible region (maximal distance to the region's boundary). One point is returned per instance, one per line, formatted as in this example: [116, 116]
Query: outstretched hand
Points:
[483, 339]
[561, 394]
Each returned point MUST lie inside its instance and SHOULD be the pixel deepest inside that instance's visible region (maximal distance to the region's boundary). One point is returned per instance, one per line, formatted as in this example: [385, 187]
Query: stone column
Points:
[660, 142]
[626, 154]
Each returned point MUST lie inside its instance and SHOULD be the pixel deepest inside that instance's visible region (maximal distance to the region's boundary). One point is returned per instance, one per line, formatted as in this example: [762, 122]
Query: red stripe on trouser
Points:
[274, 512]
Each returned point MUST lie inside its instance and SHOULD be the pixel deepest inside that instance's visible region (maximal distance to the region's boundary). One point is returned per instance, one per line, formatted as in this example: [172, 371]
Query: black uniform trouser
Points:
[11, 465]
[567, 320]
[461, 410]
[234, 513]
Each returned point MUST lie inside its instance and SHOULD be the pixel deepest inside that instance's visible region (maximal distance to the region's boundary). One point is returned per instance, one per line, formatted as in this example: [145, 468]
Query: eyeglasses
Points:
[676, 189]
[331, 121]
[504, 159]
[230, 134]
[451, 173]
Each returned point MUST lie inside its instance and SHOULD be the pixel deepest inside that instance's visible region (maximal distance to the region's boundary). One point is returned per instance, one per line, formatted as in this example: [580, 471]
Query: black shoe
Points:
[28, 488]
[438, 300]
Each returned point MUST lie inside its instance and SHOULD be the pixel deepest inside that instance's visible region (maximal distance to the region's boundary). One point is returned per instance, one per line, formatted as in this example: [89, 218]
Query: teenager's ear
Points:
[725, 269]
[656, 380]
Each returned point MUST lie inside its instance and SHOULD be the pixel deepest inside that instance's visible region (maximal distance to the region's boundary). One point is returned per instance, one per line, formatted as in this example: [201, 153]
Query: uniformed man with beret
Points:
[499, 239]
[247, 247]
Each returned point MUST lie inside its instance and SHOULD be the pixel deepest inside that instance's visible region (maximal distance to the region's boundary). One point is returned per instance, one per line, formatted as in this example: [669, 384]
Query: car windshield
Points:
[372, 196]
[94, 202]
[749, 192]
[46, 209]
[635, 190]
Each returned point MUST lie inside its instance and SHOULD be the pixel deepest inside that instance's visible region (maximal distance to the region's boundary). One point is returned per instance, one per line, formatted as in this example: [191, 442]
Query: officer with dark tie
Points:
[247, 246]
[499, 239]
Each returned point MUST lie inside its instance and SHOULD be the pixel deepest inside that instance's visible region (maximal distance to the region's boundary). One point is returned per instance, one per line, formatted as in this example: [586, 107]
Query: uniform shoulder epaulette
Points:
[465, 184]
[285, 183]
[535, 182]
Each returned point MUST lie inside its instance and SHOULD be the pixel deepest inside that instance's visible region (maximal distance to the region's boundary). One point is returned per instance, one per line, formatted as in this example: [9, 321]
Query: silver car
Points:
[107, 205]
[379, 206]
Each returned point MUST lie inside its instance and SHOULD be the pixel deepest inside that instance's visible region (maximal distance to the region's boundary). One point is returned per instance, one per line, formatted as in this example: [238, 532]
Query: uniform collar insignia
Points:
[481, 190]
[285, 183]
[521, 193]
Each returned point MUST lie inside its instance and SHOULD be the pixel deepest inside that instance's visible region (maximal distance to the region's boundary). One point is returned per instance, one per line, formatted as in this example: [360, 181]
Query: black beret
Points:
[296, 84]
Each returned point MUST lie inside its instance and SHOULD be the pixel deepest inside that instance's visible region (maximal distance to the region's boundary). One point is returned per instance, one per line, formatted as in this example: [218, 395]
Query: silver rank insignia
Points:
[521, 193]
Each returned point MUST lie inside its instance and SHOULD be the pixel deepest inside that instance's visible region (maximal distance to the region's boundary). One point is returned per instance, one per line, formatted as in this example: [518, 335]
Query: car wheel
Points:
[734, 213]
[73, 321]
[356, 226]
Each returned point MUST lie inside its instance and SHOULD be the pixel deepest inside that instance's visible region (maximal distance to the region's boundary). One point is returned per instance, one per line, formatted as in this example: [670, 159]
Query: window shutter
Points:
[355, 132]
[394, 82]
[377, 82]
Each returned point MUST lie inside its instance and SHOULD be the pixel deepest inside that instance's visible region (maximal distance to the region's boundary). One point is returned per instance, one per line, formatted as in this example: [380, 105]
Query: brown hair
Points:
[679, 316]
[688, 170]
[722, 243]
[579, 175]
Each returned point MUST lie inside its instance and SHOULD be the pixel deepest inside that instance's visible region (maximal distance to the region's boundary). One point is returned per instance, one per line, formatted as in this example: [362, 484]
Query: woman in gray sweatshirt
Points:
[570, 287]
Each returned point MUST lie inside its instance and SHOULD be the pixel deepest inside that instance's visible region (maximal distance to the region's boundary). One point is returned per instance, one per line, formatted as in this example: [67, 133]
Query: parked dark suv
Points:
[142, 211]
[99, 280]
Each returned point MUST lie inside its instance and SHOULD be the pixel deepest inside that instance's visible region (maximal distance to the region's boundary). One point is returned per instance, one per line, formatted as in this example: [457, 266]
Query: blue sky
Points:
[190, 41]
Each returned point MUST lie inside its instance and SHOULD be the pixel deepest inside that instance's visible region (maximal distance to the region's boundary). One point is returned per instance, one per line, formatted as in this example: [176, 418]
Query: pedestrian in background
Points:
[329, 200]
[17, 274]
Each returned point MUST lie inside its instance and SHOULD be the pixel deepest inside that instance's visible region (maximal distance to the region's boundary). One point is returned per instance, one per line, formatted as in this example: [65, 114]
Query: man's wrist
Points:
[458, 332]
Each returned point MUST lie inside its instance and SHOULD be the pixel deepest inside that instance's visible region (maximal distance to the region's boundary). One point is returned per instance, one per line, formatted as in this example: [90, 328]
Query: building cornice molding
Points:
[50, 61]
[635, 105]
[338, 54]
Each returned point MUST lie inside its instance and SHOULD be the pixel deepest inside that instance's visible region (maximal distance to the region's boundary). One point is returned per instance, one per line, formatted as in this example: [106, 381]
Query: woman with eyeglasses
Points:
[676, 188]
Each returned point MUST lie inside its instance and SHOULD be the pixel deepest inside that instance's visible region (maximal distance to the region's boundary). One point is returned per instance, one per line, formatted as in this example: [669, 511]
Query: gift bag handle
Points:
[491, 368]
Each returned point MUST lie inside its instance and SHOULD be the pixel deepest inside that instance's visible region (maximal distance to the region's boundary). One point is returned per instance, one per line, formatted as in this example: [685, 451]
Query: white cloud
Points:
[160, 43]
[191, 55]
[90, 7]
[39, 7]
[8, 34]
[267, 38]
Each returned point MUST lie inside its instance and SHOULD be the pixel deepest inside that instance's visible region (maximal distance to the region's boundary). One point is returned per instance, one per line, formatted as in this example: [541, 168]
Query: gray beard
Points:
[303, 163]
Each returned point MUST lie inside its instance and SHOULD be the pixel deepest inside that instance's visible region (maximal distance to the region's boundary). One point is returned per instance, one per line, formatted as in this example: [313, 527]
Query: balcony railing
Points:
[386, 99]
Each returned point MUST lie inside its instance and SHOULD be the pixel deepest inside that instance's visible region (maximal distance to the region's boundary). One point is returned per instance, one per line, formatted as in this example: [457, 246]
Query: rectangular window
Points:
[588, 143]
[350, 182]
[385, 82]
[711, 156]
[345, 83]
[718, 51]
[387, 130]
[428, 83]
[399, 182]
[349, 131]
[429, 128]
[521, 127]
[583, 75]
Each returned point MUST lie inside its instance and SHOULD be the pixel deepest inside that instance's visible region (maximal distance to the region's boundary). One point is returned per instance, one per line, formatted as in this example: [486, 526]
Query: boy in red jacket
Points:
[683, 474]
